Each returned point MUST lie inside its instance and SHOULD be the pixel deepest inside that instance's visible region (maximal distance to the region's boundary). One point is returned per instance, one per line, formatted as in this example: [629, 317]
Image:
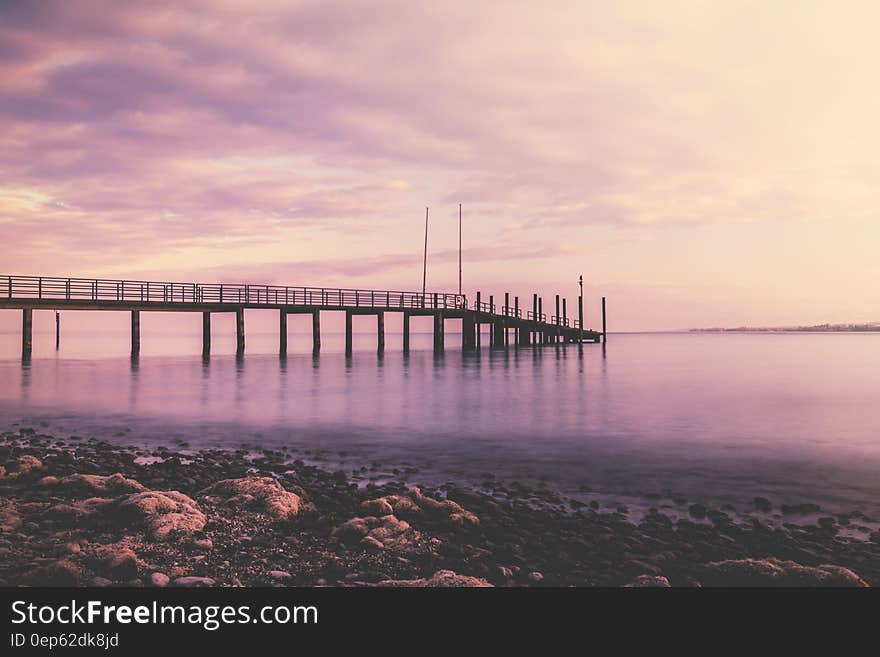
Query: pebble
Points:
[159, 580]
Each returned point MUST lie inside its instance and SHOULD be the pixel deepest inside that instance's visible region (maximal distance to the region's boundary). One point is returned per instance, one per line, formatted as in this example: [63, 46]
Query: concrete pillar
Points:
[206, 333]
[405, 332]
[438, 331]
[135, 332]
[282, 332]
[316, 331]
[239, 331]
[348, 336]
[27, 332]
[380, 331]
[468, 339]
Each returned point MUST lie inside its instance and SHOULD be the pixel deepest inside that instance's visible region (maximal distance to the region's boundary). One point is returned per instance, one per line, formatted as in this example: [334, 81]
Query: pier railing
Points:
[97, 290]
[133, 291]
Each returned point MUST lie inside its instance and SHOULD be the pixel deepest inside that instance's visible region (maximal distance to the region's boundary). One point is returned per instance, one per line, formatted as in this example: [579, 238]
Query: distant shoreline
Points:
[872, 327]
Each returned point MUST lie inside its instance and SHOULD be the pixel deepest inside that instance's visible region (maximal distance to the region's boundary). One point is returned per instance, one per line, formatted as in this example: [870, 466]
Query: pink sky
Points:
[701, 164]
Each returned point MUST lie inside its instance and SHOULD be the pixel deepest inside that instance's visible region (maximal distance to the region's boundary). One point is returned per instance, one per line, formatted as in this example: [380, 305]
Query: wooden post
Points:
[516, 328]
[239, 331]
[506, 338]
[604, 330]
[542, 334]
[581, 318]
[564, 314]
[380, 330]
[282, 332]
[348, 336]
[206, 333]
[438, 331]
[405, 332]
[557, 332]
[316, 331]
[27, 332]
[135, 332]
[57, 330]
[493, 340]
[477, 332]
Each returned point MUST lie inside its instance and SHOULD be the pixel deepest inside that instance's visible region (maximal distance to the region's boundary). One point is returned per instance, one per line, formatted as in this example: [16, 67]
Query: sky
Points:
[700, 163]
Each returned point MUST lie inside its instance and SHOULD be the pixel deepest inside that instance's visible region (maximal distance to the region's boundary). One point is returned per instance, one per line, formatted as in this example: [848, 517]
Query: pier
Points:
[508, 324]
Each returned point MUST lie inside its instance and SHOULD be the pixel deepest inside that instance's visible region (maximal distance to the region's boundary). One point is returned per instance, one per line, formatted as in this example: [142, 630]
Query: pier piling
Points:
[27, 332]
[380, 332]
[282, 332]
[135, 332]
[348, 337]
[604, 330]
[206, 334]
[405, 332]
[239, 331]
[316, 331]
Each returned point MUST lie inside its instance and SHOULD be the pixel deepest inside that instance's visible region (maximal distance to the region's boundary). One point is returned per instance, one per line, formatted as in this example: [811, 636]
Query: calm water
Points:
[712, 417]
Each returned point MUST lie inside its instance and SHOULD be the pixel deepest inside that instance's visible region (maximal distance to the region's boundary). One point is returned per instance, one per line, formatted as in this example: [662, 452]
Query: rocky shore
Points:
[81, 512]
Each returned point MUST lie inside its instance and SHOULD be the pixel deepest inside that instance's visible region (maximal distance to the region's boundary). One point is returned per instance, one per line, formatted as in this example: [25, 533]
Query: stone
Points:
[263, 494]
[416, 504]
[278, 575]
[536, 577]
[10, 520]
[204, 544]
[23, 466]
[762, 504]
[120, 564]
[385, 533]
[159, 580]
[649, 581]
[193, 582]
[100, 582]
[442, 578]
[79, 511]
[58, 573]
[774, 572]
[163, 515]
[99, 486]
[697, 510]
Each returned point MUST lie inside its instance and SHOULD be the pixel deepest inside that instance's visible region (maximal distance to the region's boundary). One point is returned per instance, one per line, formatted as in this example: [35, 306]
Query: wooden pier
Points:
[29, 293]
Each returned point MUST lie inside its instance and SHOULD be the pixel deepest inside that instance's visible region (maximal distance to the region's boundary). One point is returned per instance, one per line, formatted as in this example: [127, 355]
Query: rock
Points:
[536, 577]
[278, 575]
[48, 481]
[649, 581]
[163, 515]
[98, 486]
[505, 572]
[442, 578]
[58, 573]
[385, 533]
[378, 507]
[416, 504]
[259, 493]
[774, 572]
[762, 504]
[193, 582]
[204, 544]
[79, 511]
[100, 582]
[23, 466]
[789, 509]
[10, 520]
[697, 510]
[159, 580]
[120, 564]
[73, 548]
